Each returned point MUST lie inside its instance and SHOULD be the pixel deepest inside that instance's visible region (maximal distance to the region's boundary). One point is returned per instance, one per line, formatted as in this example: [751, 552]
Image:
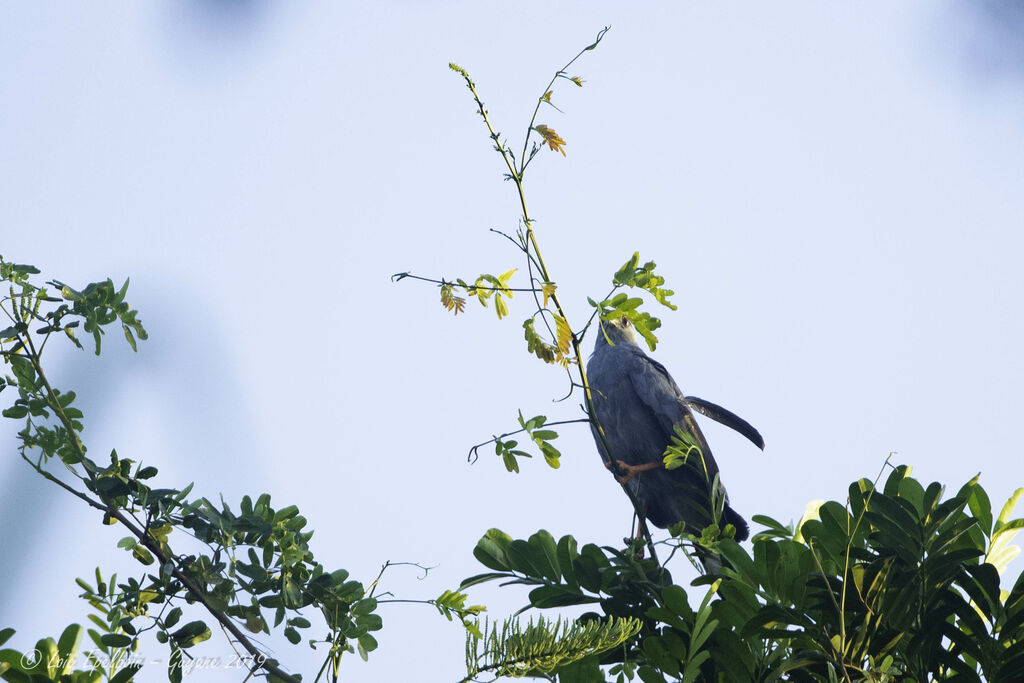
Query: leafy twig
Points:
[474, 454]
[401, 276]
[516, 175]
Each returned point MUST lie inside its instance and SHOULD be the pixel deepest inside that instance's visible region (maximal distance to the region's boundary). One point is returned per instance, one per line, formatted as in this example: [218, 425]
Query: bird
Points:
[639, 407]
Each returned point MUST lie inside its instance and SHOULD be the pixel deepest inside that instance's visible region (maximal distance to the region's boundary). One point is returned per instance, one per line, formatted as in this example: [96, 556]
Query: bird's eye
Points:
[625, 321]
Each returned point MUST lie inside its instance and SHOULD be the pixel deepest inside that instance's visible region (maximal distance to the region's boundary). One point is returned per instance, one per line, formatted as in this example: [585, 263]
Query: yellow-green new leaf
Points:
[500, 306]
[1004, 514]
[505, 277]
[551, 138]
[1001, 553]
[564, 334]
[548, 289]
[453, 303]
[551, 455]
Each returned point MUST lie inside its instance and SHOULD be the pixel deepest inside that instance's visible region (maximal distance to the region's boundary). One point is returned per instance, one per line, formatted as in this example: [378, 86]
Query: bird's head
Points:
[617, 331]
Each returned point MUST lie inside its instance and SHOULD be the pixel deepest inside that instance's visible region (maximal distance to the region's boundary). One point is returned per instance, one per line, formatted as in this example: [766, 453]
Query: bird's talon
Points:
[622, 471]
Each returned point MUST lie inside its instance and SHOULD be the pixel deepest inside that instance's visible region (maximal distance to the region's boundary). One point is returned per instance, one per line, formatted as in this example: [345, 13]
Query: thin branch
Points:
[51, 398]
[70, 489]
[507, 236]
[199, 595]
[541, 99]
[572, 386]
[165, 558]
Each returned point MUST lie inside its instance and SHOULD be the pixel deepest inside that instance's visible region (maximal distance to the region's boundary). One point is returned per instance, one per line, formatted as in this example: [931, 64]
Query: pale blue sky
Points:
[834, 192]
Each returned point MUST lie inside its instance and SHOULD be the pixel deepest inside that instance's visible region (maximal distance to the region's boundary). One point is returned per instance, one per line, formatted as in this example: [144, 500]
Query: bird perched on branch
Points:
[642, 412]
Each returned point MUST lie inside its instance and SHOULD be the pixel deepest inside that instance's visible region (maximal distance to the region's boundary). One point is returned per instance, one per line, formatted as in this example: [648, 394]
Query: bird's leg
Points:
[636, 540]
[624, 472]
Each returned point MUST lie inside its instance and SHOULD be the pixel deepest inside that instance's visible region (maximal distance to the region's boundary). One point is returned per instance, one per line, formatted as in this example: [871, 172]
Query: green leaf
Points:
[624, 276]
[364, 607]
[291, 591]
[146, 473]
[545, 552]
[551, 455]
[11, 662]
[643, 277]
[483, 578]
[585, 670]
[526, 559]
[674, 598]
[190, 634]
[649, 674]
[546, 597]
[174, 665]
[981, 508]
[129, 337]
[23, 371]
[567, 555]
[589, 566]
[172, 617]
[285, 513]
[143, 555]
[115, 640]
[67, 646]
[492, 550]
[15, 412]
[511, 464]
[500, 307]
[127, 673]
[367, 644]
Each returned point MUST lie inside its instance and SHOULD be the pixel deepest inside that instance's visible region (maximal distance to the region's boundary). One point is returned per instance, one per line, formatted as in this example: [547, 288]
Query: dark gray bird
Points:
[639, 405]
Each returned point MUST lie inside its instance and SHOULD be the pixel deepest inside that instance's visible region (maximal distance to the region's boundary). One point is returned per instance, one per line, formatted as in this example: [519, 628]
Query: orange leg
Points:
[624, 472]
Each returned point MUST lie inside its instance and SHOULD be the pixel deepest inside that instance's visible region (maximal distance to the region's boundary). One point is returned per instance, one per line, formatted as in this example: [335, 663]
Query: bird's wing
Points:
[682, 494]
[661, 395]
[729, 419]
[657, 390]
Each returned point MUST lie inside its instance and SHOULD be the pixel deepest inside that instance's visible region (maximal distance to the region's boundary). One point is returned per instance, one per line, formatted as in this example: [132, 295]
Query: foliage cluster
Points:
[897, 584]
[251, 567]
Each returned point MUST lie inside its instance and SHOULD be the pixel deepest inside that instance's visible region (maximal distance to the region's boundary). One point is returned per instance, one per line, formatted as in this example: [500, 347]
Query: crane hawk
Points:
[639, 406]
